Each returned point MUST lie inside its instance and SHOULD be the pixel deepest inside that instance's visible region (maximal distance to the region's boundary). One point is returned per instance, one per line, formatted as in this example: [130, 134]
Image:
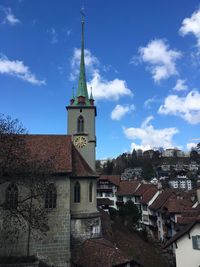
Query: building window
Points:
[196, 242]
[90, 191]
[77, 192]
[144, 207]
[11, 196]
[145, 218]
[50, 197]
[80, 124]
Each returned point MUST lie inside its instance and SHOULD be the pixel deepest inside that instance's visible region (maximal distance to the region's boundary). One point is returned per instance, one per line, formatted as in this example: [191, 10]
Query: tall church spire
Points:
[82, 85]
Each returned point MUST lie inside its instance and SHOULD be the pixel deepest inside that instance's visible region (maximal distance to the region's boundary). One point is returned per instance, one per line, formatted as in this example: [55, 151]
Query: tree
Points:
[194, 154]
[198, 147]
[21, 210]
[129, 213]
[108, 167]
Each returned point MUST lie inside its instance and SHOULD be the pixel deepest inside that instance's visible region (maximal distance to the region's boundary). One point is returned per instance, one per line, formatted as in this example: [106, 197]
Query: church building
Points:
[72, 209]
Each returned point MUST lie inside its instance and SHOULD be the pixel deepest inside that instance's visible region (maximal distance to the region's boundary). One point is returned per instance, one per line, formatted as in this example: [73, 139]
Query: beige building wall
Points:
[88, 113]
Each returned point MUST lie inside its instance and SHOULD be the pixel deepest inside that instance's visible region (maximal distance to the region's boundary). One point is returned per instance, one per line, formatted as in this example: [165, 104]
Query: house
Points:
[148, 221]
[180, 181]
[126, 191]
[107, 186]
[187, 245]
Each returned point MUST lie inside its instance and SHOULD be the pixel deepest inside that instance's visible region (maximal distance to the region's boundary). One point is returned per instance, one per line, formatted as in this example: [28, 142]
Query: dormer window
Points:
[80, 124]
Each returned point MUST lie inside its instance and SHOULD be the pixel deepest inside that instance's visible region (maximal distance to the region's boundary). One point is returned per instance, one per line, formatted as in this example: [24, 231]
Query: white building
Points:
[187, 245]
[181, 182]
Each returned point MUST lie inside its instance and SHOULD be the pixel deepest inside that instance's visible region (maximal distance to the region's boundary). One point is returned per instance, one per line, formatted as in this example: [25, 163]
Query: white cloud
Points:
[148, 103]
[54, 35]
[120, 111]
[9, 17]
[91, 63]
[189, 146]
[180, 85]
[187, 107]
[161, 59]
[110, 90]
[101, 87]
[18, 69]
[136, 147]
[149, 136]
[192, 25]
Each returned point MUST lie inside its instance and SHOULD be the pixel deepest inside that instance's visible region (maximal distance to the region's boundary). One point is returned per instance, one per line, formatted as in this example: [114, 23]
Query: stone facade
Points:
[54, 246]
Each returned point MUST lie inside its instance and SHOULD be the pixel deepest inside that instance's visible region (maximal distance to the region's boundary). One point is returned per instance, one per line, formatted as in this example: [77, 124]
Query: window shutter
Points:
[194, 242]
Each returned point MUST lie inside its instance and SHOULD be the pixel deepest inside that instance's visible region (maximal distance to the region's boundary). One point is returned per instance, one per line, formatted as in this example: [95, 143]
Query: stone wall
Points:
[54, 246]
[85, 226]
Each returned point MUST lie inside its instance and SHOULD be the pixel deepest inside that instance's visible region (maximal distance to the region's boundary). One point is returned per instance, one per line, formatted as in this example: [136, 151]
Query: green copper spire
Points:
[82, 85]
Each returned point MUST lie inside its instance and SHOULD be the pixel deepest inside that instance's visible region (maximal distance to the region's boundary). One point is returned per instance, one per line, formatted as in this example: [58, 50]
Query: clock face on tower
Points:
[80, 141]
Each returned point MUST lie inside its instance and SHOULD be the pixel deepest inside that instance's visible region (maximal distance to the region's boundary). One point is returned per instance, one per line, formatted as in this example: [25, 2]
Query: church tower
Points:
[81, 115]
[85, 218]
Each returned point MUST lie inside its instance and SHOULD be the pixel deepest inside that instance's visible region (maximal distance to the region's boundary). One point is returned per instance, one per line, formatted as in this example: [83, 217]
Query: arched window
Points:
[90, 191]
[50, 197]
[77, 192]
[12, 196]
[80, 124]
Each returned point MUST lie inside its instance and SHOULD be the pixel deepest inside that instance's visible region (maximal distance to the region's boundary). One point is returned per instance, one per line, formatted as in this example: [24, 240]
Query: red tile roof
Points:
[127, 188]
[161, 199]
[148, 194]
[99, 253]
[57, 148]
[79, 166]
[174, 205]
[115, 179]
[142, 189]
[60, 150]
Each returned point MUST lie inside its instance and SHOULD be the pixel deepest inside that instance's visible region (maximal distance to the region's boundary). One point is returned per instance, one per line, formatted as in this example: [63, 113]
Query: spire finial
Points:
[82, 85]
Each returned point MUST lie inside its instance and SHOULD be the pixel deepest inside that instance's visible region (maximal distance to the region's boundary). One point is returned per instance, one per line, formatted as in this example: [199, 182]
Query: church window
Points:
[90, 191]
[50, 197]
[12, 196]
[77, 192]
[80, 124]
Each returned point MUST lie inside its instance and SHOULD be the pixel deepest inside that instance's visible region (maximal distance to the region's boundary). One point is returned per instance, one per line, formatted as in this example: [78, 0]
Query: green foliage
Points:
[129, 213]
[113, 213]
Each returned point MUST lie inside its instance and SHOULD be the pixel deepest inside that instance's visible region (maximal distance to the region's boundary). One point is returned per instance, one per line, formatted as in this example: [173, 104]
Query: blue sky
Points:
[142, 60]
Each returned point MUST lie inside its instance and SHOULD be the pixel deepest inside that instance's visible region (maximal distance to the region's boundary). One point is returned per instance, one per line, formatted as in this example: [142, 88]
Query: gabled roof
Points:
[127, 188]
[161, 199]
[175, 205]
[115, 179]
[184, 231]
[57, 148]
[79, 166]
[142, 189]
[60, 150]
[102, 253]
[148, 194]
